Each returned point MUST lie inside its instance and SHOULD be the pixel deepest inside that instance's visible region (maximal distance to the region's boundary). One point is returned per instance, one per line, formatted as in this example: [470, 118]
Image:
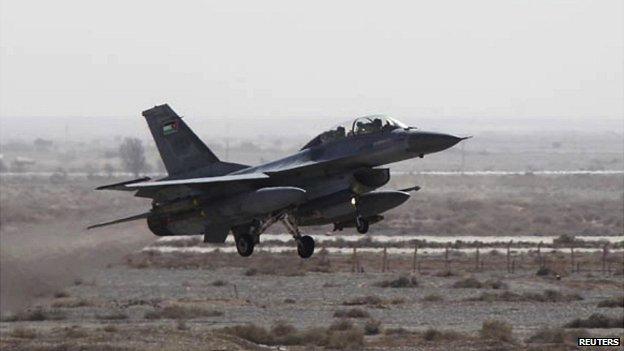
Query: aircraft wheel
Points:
[244, 245]
[361, 224]
[305, 246]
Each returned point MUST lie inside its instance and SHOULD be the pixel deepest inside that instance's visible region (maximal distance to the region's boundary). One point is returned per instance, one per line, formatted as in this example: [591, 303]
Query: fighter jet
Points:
[333, 179]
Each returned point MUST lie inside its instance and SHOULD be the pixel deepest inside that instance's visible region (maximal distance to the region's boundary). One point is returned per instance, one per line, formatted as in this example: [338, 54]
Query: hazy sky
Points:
[313, 58]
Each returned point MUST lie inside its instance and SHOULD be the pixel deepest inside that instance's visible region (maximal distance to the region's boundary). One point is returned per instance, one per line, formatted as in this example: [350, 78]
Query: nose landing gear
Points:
[361, 224]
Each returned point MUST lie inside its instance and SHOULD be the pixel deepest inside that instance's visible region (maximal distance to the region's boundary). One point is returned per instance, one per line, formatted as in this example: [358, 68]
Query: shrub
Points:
[468, 283]
[281, 328]
[557, 336]
[75, 332]
[370, 300]
[616, 301]
[433, 298]
[60, 294]
[401, 282]
[343, 324]
[111, 329]
[36, 315]
[432, 334]
[23, 333]
[351, 313]
[348, 339]
[117, 315]
[71, 303]
[396, 331]
[337, 336]
[250, 332]
[548, 336]
[497, 330]
[372, 327]
[545, 296]
[219, 283]
[181, 325]
[544, 271]
[181, 312]
[495, 284]
[597, 320]
[396, 300]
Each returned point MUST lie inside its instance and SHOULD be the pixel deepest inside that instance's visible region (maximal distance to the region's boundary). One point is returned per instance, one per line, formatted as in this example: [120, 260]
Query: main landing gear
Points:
[305, 243]
[246, 237]
[245, 245]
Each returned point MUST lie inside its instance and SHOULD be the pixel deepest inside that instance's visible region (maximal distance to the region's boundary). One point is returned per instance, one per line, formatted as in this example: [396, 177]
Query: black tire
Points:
[305, 246]
[361, 224]
[245, 245]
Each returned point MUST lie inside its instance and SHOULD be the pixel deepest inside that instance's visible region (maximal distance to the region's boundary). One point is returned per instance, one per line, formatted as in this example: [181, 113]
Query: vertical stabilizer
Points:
[180, 149]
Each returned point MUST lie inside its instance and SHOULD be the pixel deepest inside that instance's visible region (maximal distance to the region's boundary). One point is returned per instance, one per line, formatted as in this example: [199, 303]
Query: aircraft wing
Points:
[312, 167]
[196, 181]
[144, 183]
[122, 185]
[121, 220]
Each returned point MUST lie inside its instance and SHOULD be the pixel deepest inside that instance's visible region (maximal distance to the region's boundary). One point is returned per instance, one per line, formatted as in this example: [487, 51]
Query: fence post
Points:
[578, 267]
[539, 255]
[415, 260]
[572, 257]
[477, 257]
[509, 256]
[354, 265]
[446, 259]
[605, 252]
[384, 263]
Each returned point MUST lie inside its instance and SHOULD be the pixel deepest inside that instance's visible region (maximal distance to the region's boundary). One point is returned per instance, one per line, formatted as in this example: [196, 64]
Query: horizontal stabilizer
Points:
[414, 188]
[121, 220]
[122, 185]
[197, 181]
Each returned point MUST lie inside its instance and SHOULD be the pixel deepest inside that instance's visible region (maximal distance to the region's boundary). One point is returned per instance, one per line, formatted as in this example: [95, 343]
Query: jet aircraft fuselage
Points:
[331, 180]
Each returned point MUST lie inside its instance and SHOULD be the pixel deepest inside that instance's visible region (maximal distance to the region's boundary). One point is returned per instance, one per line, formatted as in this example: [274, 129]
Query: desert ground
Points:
[524, 260]
[123, 288]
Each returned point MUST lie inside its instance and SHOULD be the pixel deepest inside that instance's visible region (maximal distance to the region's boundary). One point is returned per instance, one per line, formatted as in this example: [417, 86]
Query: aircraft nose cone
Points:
[429, 142]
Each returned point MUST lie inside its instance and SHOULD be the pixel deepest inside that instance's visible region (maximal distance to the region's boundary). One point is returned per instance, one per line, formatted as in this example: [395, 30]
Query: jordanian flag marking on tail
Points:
[170, 127]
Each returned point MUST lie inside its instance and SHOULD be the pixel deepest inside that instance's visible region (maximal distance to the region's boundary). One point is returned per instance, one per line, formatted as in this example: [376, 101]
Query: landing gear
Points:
[305, 246]
[245, 245]
[248, 235]
[305, 243]
[361, 224]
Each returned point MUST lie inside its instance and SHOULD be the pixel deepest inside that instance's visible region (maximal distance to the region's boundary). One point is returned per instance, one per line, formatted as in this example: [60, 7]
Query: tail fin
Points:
[181, 150]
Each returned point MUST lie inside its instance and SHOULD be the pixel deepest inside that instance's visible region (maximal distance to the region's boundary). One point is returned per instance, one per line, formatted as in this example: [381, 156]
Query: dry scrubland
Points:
[64, 288]
[455, 205]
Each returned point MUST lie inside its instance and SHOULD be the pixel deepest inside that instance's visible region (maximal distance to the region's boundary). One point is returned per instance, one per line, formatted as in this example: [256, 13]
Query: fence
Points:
[557, 262]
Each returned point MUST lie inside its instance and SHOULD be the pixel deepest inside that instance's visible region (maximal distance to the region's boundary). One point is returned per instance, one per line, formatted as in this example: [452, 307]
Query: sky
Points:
[301, 59]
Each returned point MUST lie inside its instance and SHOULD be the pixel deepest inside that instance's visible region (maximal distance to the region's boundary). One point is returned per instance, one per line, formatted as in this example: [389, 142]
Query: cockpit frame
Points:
[359, 126]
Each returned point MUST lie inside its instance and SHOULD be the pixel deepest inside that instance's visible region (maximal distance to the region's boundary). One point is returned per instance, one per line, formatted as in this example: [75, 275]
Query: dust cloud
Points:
[43, 259]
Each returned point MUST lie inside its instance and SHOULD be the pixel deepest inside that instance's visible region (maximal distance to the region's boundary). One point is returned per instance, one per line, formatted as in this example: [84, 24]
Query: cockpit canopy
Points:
[359, 126]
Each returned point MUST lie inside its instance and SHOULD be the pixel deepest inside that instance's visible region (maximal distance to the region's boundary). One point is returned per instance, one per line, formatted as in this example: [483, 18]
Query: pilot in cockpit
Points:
[376, 125]
[370, 127]
[340, 132]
